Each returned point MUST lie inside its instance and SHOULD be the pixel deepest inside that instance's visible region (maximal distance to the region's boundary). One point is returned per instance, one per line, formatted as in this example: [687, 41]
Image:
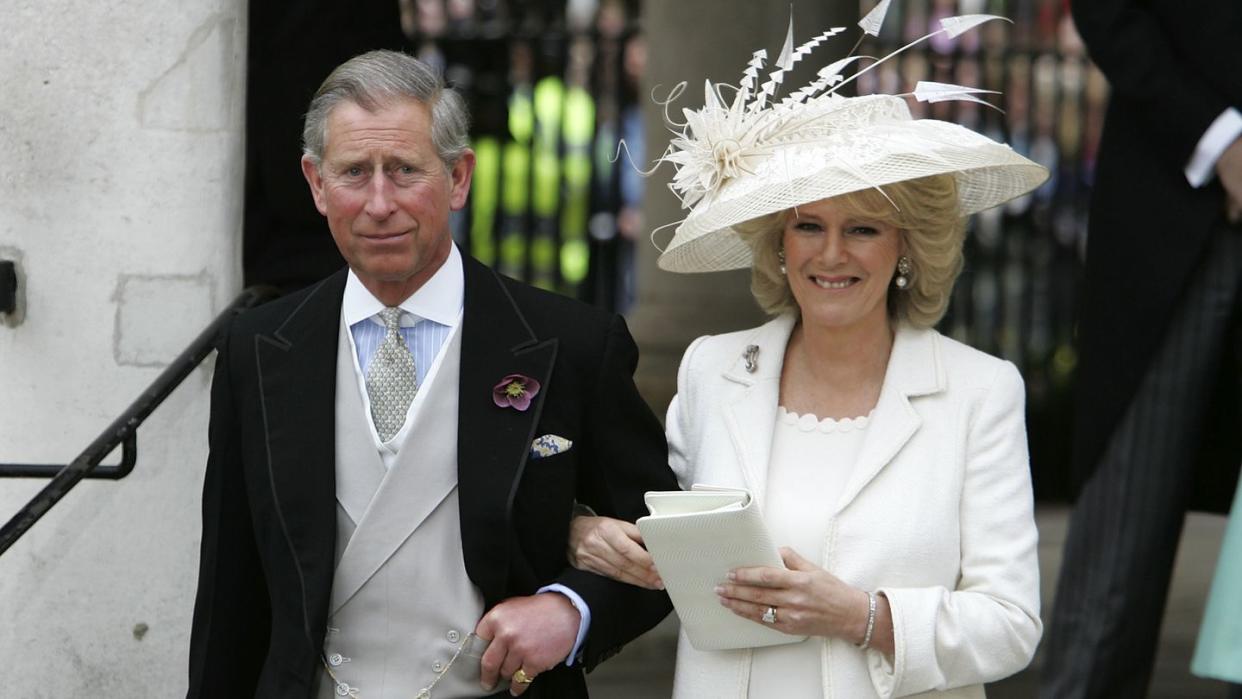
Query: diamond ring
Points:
[769, 617]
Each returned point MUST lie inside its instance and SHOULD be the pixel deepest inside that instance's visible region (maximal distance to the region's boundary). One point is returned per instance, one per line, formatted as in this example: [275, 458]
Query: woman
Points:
[891, 461]
[1218, 652]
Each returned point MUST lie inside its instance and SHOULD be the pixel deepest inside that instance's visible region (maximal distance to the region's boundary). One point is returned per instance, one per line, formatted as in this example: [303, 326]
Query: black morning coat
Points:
[269, 509]
[1173, 67]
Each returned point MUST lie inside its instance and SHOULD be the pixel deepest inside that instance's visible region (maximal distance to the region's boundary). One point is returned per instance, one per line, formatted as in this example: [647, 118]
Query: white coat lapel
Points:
[424, 474]
[752, 408]
[914, 369]
[366, 469]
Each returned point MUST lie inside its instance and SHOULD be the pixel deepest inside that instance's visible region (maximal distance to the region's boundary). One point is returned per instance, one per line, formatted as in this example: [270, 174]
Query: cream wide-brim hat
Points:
[851, 144]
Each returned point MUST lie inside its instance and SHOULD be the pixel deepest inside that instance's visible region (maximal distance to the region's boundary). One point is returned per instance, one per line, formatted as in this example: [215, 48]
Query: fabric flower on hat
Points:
[515, 391]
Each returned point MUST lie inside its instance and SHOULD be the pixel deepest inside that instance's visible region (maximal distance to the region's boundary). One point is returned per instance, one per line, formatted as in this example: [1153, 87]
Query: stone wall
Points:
[120, 200]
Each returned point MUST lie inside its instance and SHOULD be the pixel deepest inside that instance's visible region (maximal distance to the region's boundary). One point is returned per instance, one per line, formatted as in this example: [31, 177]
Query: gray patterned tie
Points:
[391, 379]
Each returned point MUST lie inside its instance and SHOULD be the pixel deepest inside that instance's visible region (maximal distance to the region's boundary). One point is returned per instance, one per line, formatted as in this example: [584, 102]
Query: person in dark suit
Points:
[396, 451]
[1158, 328]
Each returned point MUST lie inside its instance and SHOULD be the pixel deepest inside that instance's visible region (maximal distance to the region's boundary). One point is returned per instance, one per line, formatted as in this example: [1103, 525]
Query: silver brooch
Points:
[751, 356]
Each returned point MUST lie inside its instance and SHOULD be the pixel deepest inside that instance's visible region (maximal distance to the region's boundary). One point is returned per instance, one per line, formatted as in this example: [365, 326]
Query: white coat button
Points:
[335, 659]
[342, 690]
[437, 666]
[453, 636]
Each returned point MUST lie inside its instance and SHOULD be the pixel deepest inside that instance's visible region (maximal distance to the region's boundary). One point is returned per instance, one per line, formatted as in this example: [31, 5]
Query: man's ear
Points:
[460, 176]
[315, 179]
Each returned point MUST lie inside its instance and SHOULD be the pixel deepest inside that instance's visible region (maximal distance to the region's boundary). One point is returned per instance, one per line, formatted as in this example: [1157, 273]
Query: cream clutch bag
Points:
[696, 537]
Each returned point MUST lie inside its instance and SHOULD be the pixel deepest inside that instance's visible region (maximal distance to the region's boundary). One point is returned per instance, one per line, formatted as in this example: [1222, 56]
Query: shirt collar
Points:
[438, 300]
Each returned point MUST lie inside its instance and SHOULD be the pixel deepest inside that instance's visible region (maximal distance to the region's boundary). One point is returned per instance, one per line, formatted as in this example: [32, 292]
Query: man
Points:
[396, 451]
[1159, 324]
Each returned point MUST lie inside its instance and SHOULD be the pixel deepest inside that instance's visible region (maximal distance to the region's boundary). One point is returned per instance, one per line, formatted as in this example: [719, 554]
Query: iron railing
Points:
[122, 432]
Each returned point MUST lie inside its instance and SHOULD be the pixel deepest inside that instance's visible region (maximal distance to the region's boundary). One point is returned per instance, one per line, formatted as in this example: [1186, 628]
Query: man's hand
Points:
[1229, 170]
[534, 634]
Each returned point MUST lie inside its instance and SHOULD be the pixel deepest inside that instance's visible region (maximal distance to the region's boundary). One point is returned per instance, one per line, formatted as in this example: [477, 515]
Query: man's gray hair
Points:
[375, 80]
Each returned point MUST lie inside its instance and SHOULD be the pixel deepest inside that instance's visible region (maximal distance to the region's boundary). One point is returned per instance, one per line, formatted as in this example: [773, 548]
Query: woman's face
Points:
[839, 266]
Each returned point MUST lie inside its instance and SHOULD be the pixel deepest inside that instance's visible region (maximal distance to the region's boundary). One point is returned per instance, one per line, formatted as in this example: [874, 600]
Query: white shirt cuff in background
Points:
[1225, 129]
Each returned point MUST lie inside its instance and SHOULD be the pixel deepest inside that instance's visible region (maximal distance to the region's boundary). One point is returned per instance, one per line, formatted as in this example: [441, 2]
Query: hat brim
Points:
[988, 174]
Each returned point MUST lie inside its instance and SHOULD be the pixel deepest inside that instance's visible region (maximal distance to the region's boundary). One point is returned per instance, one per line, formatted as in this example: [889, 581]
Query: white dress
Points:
[810, 465]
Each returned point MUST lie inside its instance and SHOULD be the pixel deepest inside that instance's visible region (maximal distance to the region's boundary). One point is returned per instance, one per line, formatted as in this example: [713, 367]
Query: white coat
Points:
[937, 513]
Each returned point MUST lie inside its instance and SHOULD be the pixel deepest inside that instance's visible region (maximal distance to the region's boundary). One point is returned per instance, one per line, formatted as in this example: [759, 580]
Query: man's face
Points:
[387, 195]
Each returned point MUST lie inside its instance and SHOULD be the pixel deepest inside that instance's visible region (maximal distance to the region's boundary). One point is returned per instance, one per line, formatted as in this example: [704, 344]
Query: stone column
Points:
[690, 40]
[120, 201]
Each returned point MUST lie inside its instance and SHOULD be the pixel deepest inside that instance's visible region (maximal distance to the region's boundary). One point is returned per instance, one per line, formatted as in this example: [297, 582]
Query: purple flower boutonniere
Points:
[515, 391]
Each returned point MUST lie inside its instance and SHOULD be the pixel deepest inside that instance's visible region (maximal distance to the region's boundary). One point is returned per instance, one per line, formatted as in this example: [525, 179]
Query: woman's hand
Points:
[613, 548]
[808, 600]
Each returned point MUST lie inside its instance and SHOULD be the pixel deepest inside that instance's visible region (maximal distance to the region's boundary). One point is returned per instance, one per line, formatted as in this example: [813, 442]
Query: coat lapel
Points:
[493, 443]
[752, 411]
[295, 365]
[914, 369]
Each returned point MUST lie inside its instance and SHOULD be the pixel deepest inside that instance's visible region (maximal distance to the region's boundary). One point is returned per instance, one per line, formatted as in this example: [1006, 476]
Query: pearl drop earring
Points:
[902, 280]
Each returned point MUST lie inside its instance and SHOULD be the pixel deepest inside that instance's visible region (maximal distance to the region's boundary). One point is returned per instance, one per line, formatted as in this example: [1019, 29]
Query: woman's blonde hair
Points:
[927, 213]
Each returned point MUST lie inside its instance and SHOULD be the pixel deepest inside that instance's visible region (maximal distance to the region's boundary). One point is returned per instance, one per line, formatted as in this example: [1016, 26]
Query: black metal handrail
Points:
[123, 431]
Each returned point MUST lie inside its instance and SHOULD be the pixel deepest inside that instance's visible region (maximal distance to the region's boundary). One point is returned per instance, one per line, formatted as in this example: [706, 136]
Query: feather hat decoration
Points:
[758, 153]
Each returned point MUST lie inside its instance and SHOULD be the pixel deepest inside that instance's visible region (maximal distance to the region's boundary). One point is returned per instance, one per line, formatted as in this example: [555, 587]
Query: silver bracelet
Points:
[870, 621]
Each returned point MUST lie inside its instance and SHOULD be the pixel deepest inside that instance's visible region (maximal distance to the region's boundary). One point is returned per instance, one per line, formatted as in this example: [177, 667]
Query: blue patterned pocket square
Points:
[549, 445]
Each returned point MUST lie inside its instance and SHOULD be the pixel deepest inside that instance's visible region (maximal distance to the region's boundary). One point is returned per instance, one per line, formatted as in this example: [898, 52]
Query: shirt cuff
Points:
[584, 618]
[1225, 129]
